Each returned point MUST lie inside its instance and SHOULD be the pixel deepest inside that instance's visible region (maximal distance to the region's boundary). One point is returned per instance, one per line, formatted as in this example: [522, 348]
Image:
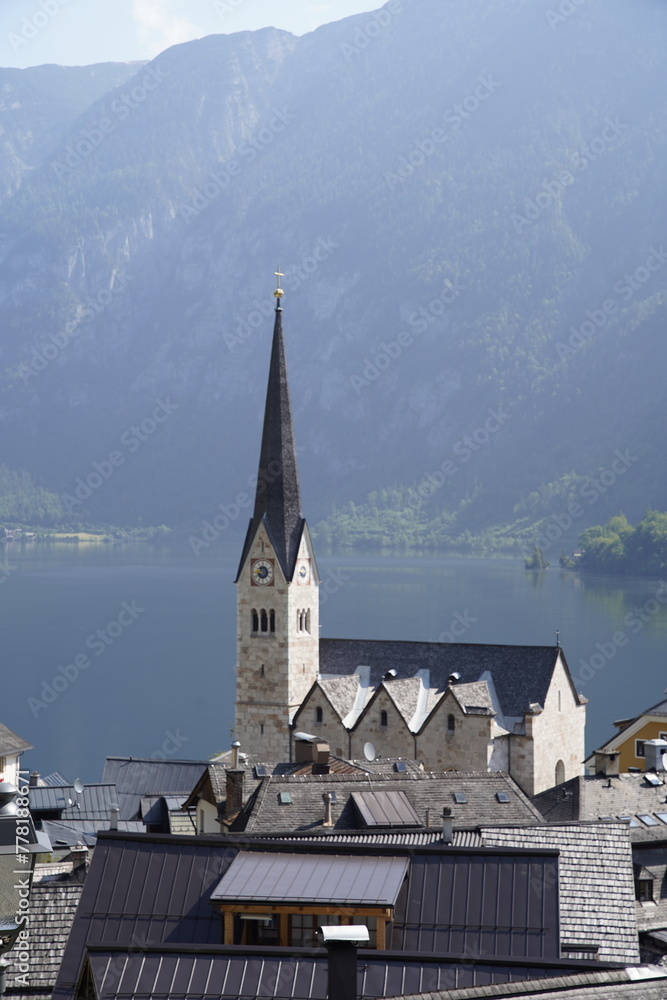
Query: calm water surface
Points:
[159, 677]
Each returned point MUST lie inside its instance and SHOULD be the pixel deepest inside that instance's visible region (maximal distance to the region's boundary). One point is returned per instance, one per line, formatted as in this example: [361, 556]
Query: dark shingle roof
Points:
[426, 793]
[11, 743]
[611, 984]
[521, 674]
[277, 499]
[136, 777]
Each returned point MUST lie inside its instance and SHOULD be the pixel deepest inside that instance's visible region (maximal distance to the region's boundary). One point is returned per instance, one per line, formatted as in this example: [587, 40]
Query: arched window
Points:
[560, 772]
[559, 703]
[451, 723]
[272, 621]
[383, 718]
[264, 620]
[307, 621]
[255, 621]
[318, 714]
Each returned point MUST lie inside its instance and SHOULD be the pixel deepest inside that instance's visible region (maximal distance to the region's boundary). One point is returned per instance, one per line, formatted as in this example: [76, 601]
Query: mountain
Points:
[467, 202]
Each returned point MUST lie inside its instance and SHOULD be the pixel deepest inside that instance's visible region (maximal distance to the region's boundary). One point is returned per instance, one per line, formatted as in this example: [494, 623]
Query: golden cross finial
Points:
[279, 292]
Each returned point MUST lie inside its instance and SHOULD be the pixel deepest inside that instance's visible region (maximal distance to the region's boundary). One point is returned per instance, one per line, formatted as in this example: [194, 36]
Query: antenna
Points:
[78, 788]
[369, 752]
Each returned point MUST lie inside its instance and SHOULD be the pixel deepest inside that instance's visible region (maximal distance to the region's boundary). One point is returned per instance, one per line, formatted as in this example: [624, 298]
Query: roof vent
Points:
[655, 752]
[454, 678]
[391, 675]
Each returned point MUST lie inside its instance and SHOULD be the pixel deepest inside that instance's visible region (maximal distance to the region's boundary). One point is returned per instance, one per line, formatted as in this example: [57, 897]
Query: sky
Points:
[81, 32]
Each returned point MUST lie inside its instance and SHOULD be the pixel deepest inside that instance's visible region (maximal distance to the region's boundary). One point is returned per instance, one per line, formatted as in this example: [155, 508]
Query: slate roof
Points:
[265, 813]
[521, 674]
[136, 777]
[595, 797]
[597, 893]
[10, 743]
[53, 903]
[611, 984]
[382, 838]
[93, 803]
[277, 498]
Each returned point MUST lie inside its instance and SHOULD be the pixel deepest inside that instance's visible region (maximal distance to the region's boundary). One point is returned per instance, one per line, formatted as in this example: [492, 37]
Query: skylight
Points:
[460, 798]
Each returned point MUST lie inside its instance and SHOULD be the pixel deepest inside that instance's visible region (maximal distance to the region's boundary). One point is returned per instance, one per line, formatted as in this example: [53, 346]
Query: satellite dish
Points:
[369, 751]
[78, 786]
[664, 761]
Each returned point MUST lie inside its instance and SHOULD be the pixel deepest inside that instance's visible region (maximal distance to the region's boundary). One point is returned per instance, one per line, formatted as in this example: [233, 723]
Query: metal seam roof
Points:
[311, 878]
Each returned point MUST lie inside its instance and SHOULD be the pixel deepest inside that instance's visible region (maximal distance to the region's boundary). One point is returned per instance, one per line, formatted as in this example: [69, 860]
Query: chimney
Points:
[34, 779]
[606, 763]
[447, 826]
[114, 813]
[79, 856]
[341, 944]
[235, 755]
[234, 782]
[328, 817]
[654, 752]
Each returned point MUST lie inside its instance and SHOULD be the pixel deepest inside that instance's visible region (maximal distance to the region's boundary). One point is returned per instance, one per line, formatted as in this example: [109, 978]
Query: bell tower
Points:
[277, 626]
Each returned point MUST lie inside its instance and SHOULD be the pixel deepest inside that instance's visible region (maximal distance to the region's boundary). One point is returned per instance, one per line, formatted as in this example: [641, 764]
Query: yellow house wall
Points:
[652, 729]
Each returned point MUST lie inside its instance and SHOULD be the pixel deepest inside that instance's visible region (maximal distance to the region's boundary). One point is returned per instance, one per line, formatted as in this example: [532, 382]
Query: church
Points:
[450, 706]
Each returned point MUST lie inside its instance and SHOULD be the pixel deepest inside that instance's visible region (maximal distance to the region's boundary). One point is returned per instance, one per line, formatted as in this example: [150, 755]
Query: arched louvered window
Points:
[255, 621]
[272, 621]
[264, 620]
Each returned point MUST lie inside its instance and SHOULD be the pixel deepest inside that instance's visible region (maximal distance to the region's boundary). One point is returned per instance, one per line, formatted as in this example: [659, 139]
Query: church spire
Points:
[277, 498]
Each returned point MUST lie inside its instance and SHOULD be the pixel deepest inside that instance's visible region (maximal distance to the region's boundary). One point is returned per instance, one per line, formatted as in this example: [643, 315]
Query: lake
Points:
[130, 649]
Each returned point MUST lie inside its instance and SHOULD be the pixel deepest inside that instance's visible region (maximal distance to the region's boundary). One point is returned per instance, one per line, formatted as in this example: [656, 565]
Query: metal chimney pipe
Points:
[341, 944]
[328, 817]
[235, 755]
[114, 813]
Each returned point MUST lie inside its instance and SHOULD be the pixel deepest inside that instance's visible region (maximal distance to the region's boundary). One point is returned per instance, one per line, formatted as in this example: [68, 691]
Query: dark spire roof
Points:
[277, 499]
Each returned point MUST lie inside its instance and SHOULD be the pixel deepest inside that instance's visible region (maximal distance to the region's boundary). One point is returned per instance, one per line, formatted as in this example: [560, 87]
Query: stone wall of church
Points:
[329, 727]
[558, 734]
[552, 749]
[453, 740]
[277, 630]
[391, 738]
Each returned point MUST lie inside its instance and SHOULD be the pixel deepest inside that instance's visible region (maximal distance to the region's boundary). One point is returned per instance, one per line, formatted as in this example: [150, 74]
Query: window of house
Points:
[384, 721]
[451, 723]
[640, 750]
[255, 621]
[264, 621]
[3, 764]
[318, 714]
[644, 890]
[560, 772]
[272, 621]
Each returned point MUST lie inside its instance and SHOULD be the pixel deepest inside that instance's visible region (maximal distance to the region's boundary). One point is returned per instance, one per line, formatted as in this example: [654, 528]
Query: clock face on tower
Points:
[302, 573]
[261, 572]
